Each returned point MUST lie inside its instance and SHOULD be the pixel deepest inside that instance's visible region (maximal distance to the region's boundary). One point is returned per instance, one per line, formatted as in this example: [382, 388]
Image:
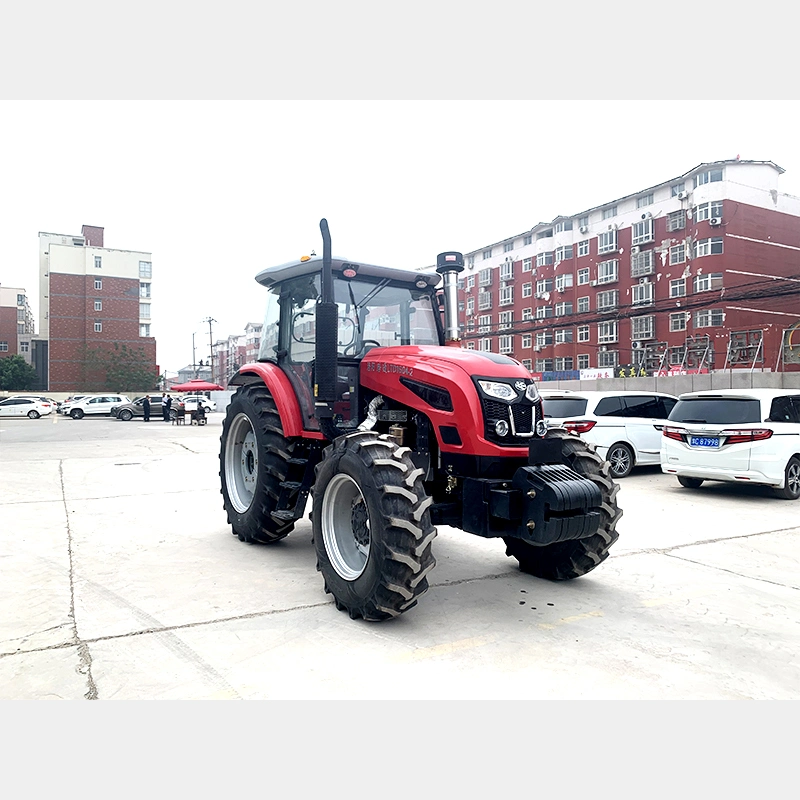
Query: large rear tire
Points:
[254, 457]
[571, 559]
[372, 527]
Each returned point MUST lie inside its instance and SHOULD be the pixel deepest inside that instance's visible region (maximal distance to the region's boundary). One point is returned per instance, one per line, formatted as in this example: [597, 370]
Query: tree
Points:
[16, 374]
[118, 369]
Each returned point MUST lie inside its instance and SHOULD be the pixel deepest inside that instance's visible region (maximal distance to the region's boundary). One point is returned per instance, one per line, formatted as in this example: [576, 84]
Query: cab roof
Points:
[294, 269]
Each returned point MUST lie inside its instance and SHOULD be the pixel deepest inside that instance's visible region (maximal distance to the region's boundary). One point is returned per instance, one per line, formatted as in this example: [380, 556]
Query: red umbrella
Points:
[196, 385]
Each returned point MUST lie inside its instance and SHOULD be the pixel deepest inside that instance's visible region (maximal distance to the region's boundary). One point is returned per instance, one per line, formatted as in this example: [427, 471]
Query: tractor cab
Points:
[375, 307]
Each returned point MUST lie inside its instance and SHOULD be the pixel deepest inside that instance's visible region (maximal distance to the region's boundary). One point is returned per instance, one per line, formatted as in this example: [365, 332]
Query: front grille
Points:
[522, 419]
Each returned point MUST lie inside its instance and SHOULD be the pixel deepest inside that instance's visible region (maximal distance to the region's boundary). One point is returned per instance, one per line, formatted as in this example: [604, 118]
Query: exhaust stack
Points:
[448, 265]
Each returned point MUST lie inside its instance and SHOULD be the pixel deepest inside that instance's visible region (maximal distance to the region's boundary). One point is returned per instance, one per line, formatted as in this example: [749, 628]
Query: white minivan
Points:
[625, 427]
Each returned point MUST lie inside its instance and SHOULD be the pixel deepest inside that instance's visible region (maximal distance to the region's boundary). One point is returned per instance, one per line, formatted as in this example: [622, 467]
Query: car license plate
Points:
[704, 441]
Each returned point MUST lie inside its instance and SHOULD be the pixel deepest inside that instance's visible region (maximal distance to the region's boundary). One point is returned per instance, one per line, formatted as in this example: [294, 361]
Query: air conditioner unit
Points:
[715, 222]
[644, 280]
[646, 215]
[592, 283]
[682, 195]
[584, 229]
[636, 345]
[635, 250]
[538, 348]
[602, 348]
[612, 227]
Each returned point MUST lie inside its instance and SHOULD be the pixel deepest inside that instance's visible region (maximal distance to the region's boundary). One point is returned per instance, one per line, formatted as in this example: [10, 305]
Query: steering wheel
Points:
[364, 343]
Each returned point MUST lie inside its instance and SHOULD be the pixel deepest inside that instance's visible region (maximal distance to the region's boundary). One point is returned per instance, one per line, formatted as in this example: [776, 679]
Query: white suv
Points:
[624, 427]
[96, 405]
[742, 436]
[191, 403]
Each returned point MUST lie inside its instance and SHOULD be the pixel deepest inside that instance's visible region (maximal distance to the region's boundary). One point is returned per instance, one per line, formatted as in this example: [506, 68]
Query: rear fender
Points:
[282, 392]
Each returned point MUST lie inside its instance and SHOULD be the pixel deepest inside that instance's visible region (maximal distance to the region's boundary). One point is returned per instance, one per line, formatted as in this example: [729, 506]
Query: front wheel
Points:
[573, 558]
[126, 415]
[372, 527]
[34, 414]
[76, 413]
[791, 485]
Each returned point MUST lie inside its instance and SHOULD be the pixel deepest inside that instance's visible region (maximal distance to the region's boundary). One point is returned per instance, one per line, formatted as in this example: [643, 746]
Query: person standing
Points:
[164, 411]
[167, 406]
[146, 407]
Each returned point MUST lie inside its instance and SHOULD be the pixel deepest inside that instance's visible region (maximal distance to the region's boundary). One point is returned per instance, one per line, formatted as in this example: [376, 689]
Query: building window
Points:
[583, 248]
[563, 253]
[506, 319]
[583, 305]
[471, 261]
[526, 341]
[98, 327]
[544, 364]
[562, 309]
[583, 276]
[607, 332]
[527, 240]
[677, 287]
[506, 344]
[527, 313]
[563, 281]
[564, 335]
[470, 282]
[24, 347]
[677, 188]
[548, 234]
[526, 362]
[708, 211]
[460, 283]
[98, 305]
[607, 242]
[544, 338]
[642, 294]
[709, 176]
[527, 289]
[98, 262]
[706, 283]
[508, 247]
[677, 322]
[608, 271]
[643, 327]
[470, 305]
[677, 254]
[563, 364]
[544, 285]
[460, 305]
[145, 269]
[609, 212]
[543, 312]
[642, 231]
[144, 329]
[484, 301]
[608, 358]
[642, 264]
[583, 361]
[3, 347]
[607, 300]
[644, 200]
[583, 333]
[20, 299]
[484, 323]
[470, 345]
[564, 225]
[583, 222]
[506, 270]
[486, 345]
[676, 355]
[544, 259]
[506, 295]
[711, 318]
[708, 247]
[487, 254]
[20, 315]
[144, 310]
[20, 327]
[676, 221]
[527, 264]
[485, 277]
[98, 284]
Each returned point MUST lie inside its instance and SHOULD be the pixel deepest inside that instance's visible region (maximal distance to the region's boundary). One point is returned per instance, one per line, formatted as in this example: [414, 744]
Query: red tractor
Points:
[359, 397]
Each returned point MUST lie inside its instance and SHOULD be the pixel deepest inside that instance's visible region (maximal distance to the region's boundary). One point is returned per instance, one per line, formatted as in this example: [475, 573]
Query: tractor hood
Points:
[434, 360]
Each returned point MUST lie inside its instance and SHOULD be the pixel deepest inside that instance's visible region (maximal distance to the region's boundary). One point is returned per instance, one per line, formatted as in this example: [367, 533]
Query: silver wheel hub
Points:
[793, 478]
[345, 527]
[620, 461]
[241, 463]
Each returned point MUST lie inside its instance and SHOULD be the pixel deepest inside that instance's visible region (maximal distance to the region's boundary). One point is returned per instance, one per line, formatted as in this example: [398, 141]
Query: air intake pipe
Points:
[448, 265]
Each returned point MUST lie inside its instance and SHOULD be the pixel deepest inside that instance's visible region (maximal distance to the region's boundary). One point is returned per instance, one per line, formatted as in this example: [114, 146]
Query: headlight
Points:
[502, 391]
[532, 393]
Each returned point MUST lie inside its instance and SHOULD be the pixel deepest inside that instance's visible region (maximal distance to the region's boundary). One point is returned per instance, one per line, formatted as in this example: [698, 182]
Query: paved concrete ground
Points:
[120, 579]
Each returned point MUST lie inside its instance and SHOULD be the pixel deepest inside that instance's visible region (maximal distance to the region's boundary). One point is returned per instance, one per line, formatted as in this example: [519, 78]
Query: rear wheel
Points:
[791, 486]
[571, 559]
[254, 458]
[126, 415]
[372, 528]
[690, 483]
[33, 414]
[621, 459]
[76, 413]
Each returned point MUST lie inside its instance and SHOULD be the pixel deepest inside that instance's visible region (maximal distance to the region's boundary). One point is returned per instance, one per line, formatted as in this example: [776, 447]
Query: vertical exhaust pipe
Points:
[327, 321]
[448, 265]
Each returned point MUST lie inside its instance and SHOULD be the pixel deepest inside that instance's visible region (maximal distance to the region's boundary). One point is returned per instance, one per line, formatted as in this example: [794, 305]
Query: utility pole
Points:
[194, 357]
[209, 320]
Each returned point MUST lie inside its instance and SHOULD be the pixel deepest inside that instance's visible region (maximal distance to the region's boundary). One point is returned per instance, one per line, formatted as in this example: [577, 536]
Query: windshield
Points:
[716, 411]
[559, 407]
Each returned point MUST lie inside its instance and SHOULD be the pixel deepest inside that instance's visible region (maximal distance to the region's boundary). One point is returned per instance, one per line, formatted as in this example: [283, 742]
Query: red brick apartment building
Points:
[698, 272]
[91, 298]
[16, 323]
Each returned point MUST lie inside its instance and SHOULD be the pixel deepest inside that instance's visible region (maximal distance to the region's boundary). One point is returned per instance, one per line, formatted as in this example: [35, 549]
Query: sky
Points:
[226, 168]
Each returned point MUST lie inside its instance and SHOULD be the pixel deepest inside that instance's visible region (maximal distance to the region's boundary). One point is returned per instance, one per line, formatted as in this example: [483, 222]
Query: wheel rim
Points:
[793, 478]
[126, 415]
[345, 527]
[620, 460]
[33, 414]
[241, 463]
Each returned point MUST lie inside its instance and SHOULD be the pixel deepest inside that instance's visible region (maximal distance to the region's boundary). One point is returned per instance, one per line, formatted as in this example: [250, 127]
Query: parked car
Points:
[190, 401]
[742, 436]
[17, 406]
[96, 405]
[625, 427]
[67, 404]
[127, 411]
